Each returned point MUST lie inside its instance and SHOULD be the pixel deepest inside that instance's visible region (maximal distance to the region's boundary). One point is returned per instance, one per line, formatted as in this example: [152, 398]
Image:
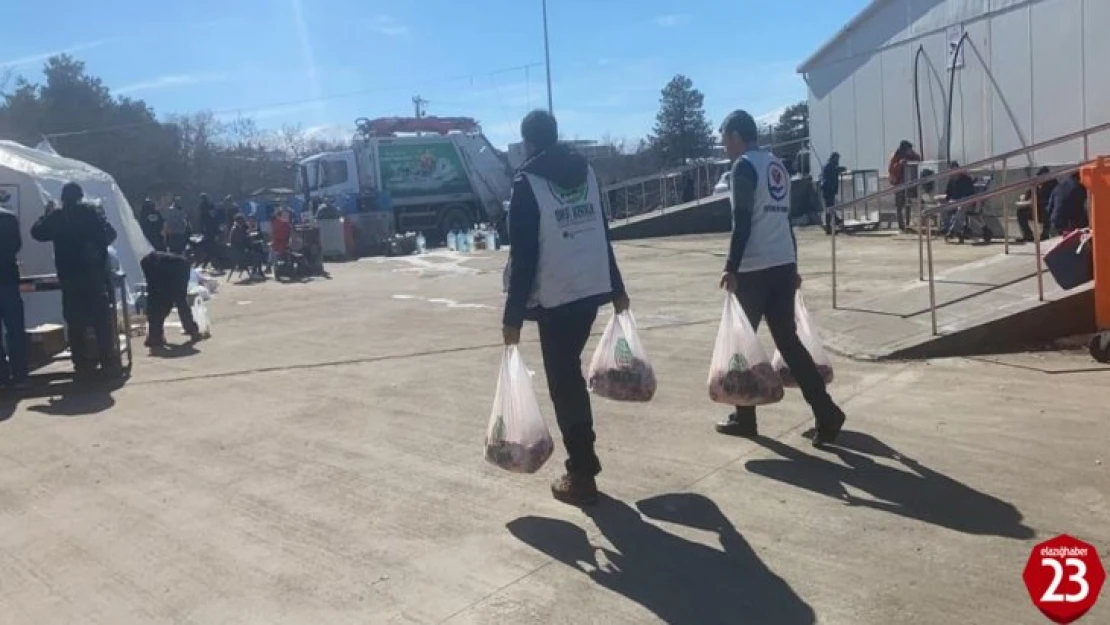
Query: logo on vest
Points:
[573, 195]
[778, 181]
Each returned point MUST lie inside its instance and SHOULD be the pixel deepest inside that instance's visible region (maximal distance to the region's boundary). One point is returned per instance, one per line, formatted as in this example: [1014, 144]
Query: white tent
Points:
[29, 178]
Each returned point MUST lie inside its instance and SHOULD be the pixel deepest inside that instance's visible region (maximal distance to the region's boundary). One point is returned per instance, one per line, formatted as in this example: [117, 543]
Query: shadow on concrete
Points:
[680, 581]
[170, 352]
[7, 407]
[917, 492]
[75, 399]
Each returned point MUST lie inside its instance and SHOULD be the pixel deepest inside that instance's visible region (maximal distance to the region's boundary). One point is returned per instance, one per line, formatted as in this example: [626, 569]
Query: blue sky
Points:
[322, 63]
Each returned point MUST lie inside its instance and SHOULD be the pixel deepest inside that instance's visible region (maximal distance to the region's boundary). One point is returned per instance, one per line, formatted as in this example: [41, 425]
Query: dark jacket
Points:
[959, 186]
[565, 168]
[830, 179]
[166, 274]
[211, 218]
[10, 244]
[1069, 205]
[152, 224]
[81, 236]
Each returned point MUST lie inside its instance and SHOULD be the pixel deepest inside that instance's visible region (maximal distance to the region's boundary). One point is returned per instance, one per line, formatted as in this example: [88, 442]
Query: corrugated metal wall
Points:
[1032, 70]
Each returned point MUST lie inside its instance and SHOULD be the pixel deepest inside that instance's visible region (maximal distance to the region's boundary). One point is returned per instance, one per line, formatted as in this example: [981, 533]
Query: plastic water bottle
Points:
[491, 236]
[469, 240]
[421, 243]
[452, 240]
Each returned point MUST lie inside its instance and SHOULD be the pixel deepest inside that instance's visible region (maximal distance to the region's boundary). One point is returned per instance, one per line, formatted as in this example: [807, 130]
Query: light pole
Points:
[547, 59]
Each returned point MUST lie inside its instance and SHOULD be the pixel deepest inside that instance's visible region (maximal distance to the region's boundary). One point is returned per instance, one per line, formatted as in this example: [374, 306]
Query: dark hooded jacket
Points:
[565, 168]
[10, 244]
[81, 236]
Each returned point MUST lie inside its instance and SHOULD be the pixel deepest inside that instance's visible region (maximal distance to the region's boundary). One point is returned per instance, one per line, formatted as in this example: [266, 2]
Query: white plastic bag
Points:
[740, 374]
[517, 438]
[620, 369]
[812, 343]
[200, 316]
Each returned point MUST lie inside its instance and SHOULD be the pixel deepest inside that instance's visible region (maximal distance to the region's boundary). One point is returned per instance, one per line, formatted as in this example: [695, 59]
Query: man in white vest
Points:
[561, 270]
[762, 270]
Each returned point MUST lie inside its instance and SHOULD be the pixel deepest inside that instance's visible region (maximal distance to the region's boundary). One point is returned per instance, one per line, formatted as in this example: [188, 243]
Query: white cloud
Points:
[770, 118]
[42, 56]
[386, 25]
[173, 80]
[672, 20]
[330, 132]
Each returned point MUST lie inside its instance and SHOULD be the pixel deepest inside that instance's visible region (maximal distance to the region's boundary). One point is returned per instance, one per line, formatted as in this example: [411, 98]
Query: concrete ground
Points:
[319, 461]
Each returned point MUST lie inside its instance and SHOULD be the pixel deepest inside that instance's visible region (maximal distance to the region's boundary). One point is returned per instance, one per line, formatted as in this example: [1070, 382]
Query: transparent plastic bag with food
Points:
[740, 373]
[620, 369]
[812, 342]
[517, 438]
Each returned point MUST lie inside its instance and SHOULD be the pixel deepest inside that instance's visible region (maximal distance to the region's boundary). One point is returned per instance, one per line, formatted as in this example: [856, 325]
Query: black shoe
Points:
[829, 424]
[575, 490]
[154, 343]
[738, 426]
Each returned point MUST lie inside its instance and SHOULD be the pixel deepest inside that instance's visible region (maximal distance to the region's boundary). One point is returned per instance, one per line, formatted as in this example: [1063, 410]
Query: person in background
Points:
[281, 232]
[1068, 206]
[230, 211]
[213, 224]
[153, 224]
[13, 359]
[167, 286]
[959, 187]
[1044, 200]
[560, 280]
[176, 227]
[81, 236]
[762, 270]
[830, 188]
[896, 171]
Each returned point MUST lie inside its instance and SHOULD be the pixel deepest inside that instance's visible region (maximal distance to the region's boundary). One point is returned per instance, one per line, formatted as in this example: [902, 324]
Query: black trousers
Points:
[177, 243]
[769, 293]
[563, 336]
[167, 288]
[1025, 222]
[85, 307]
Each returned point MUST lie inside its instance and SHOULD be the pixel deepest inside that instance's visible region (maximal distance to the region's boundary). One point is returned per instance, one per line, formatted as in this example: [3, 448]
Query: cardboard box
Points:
[45, 342]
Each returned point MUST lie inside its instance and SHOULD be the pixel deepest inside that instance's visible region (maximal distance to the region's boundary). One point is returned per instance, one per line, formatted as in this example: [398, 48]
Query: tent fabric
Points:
[29, 178]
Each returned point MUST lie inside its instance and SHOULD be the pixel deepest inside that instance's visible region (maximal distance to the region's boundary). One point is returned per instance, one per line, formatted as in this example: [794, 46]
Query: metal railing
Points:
[925, 223]
[1003, 158]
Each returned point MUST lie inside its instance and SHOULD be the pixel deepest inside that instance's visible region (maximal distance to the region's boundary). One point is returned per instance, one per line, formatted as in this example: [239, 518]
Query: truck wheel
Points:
[455, 217]
[1099, 347]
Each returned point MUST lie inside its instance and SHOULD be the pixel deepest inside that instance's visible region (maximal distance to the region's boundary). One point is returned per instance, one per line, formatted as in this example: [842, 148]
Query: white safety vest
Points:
[771, 243]
[573, 258]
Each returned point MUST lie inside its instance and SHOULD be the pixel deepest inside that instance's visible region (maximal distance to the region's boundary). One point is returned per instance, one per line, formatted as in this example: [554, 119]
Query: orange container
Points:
[1096, 177]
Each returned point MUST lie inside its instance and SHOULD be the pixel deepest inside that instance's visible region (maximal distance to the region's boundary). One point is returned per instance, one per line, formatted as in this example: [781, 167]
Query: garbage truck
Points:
[432, 174]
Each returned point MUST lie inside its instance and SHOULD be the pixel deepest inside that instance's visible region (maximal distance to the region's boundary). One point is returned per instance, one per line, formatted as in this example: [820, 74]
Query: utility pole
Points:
[547, 59]
[421, 106]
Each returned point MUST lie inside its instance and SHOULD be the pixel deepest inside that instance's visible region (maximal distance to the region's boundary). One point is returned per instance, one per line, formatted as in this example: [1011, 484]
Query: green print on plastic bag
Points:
[622, 353]
[737, 363]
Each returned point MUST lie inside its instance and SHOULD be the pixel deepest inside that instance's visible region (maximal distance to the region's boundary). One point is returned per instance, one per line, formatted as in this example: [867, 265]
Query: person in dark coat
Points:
[1068, 206]
[830, 188]
[81, 236]
[152, 224]
[167, 287]
[13, 360]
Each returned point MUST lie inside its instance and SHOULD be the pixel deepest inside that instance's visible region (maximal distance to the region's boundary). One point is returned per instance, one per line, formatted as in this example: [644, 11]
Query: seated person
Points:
[960, 186]
[1025, 213]
[1068, 206]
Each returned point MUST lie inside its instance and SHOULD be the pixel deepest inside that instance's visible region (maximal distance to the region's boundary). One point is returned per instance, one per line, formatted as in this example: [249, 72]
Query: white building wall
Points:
[1032, 70]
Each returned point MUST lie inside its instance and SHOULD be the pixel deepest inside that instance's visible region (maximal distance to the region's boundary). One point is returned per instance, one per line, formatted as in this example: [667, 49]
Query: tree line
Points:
[178, 155]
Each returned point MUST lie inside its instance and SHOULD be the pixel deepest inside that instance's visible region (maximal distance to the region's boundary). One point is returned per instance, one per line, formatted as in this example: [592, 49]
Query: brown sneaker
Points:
[575, 490]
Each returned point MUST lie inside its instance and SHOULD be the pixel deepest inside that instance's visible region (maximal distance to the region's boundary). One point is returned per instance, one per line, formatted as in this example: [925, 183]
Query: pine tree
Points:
[681, 131]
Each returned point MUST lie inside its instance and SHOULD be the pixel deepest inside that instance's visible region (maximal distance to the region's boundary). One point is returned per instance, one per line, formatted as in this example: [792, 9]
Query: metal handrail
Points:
[925, 224]
[1079, 134]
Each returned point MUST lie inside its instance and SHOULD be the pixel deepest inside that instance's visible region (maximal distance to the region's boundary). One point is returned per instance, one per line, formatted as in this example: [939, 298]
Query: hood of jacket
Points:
[560, 165]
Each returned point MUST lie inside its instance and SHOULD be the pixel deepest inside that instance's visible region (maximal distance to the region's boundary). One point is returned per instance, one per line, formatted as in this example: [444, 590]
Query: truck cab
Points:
[330, 174]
